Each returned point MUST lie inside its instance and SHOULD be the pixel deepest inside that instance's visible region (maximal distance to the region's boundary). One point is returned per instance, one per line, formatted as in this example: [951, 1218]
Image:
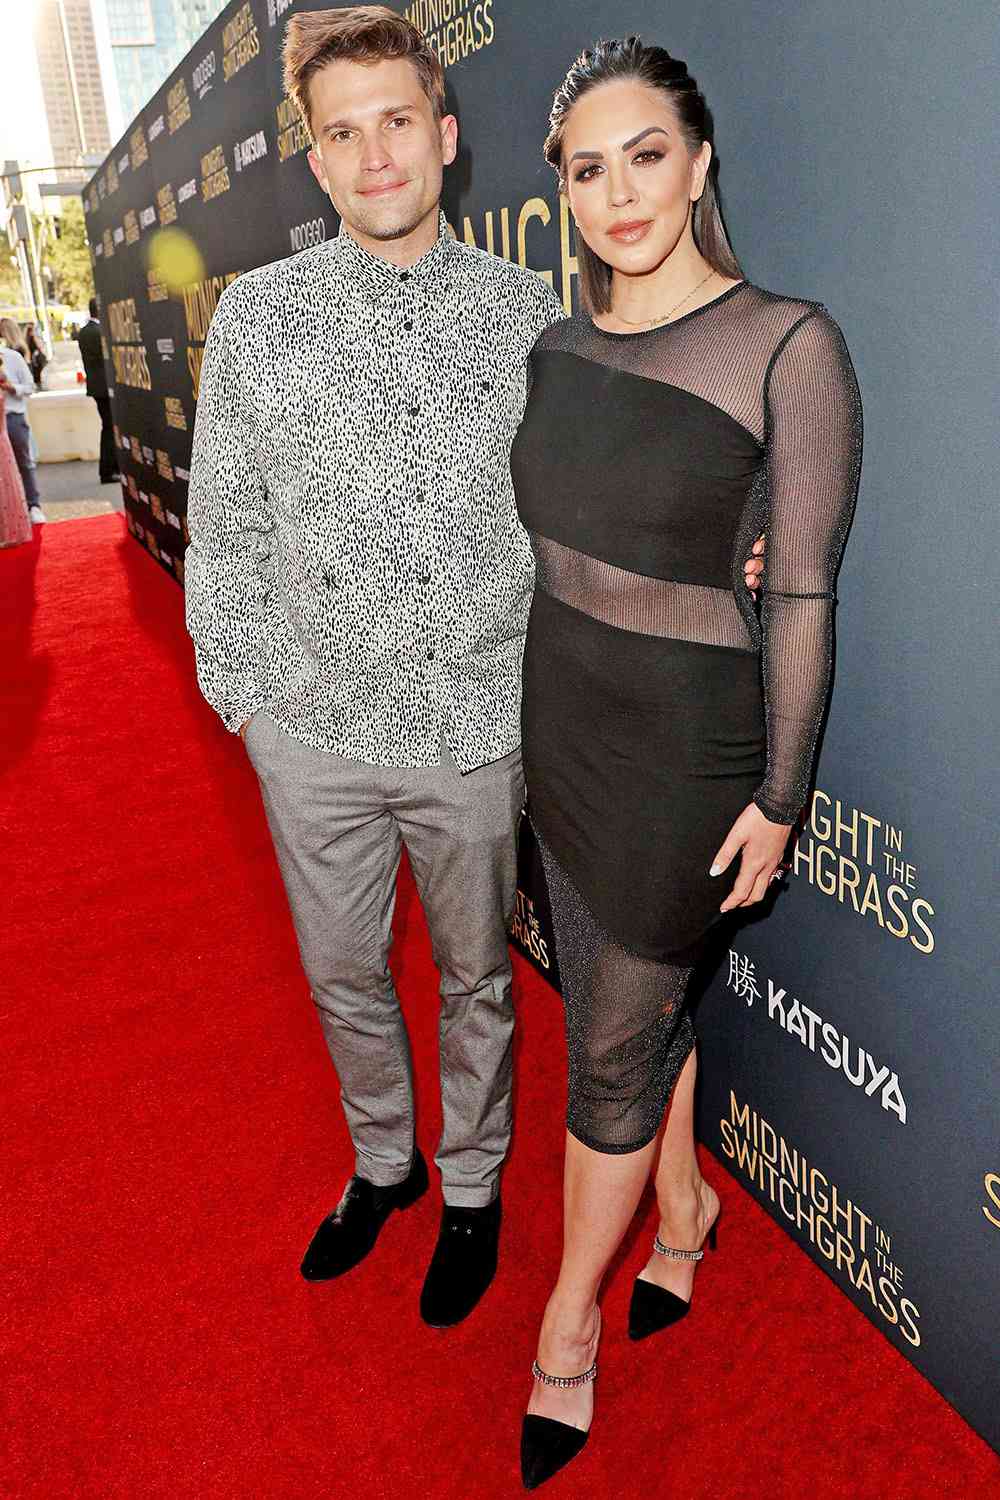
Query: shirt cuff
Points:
[773, 813]
[234, 716]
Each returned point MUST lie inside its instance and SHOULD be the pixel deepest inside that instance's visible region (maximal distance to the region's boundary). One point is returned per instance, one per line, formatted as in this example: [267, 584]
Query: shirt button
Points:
[424, 578]
[430, 654]
[420, 497]
[404, 275]
[414, 411]
[408, 324]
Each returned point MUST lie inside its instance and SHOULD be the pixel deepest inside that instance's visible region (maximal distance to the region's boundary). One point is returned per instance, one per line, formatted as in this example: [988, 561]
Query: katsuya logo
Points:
[819, 1036]
[246, 152]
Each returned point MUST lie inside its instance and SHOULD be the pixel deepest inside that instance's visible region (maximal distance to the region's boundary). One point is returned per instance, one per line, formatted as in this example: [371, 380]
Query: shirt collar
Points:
[376, 276]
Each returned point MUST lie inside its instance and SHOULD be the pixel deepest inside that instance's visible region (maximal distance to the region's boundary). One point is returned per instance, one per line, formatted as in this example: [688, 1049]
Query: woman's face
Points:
[629, 175]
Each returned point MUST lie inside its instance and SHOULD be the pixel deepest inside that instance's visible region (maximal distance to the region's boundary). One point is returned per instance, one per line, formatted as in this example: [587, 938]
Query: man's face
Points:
[379, 151]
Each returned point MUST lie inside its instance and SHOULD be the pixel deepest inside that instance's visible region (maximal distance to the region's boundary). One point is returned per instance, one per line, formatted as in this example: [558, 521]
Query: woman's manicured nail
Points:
[715, 870]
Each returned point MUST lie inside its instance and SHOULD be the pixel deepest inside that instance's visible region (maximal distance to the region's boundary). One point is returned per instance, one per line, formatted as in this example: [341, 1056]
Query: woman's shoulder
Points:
[802, 347]
[802, 325]
[566, 335]
[780, 310]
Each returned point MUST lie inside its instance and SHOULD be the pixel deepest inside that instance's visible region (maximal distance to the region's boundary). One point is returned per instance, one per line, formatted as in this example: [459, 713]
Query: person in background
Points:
[17, 385]
[89, 339]
[37, 357]
[15, 527]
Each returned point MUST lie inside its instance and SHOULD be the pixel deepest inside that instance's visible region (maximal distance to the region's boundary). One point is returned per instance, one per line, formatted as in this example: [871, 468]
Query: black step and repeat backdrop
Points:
[851, 1042]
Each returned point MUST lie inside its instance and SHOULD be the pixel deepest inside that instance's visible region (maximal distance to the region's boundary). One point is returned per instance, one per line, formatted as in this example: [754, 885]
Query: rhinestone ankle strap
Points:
[662, 1249]
[564, 1382]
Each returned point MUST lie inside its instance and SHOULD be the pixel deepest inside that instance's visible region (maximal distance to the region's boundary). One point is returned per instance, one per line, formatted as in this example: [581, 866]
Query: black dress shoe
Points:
[463, 1264]
[345, 1237]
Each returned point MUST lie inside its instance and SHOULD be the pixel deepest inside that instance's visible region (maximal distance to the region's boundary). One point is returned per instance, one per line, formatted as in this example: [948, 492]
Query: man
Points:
[89, 339]
[17, 385]
[358, 586]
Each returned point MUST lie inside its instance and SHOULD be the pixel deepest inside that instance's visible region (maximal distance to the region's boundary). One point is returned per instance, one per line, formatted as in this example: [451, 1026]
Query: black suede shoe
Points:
[345, 1237]
[463, 1264]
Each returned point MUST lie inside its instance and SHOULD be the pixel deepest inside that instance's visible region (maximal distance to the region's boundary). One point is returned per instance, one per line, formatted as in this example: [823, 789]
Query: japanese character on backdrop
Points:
[743, 977]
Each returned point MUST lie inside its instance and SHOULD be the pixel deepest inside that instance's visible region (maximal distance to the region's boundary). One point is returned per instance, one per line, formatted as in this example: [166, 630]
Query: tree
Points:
[11, 293]
[68, 256]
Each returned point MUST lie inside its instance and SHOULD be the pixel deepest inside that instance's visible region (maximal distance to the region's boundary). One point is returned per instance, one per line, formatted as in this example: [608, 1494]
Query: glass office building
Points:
[148, 39]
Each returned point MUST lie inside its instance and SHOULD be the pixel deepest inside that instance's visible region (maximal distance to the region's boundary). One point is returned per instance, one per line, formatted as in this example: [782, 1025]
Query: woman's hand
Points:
[763, 845]
[754, 566]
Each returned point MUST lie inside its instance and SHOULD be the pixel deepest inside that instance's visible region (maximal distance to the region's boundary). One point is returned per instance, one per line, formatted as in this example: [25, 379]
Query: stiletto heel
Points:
[652, 1307]
[547, 1445]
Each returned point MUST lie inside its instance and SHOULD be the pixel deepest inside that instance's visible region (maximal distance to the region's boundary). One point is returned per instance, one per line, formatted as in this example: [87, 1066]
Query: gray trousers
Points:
[338, 828]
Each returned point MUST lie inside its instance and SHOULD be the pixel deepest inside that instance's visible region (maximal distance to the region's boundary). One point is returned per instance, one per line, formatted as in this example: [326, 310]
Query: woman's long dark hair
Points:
[611, 61]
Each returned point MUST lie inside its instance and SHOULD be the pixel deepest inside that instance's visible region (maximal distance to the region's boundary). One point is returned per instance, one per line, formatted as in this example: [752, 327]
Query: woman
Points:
[18, 385]
[15, 526]
[680, 413]
[37, 357]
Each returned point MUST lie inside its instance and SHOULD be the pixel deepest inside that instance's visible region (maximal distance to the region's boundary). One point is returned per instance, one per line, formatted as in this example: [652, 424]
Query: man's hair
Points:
[357, 33]
[93, 307]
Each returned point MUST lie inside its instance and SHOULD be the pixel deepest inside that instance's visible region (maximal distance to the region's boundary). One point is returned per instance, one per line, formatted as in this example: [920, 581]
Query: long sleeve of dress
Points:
[227, 574]
[813, 445]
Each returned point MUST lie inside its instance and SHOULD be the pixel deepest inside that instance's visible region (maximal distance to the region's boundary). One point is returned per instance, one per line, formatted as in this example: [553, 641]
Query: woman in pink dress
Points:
[15, 526]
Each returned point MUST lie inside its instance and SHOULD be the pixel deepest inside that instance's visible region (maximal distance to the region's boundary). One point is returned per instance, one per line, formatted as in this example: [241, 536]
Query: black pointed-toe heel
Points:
[653, 1308]
[547, 1445]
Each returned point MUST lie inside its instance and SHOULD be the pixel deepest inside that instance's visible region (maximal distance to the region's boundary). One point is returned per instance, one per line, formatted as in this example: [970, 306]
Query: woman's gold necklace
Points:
[652, 322]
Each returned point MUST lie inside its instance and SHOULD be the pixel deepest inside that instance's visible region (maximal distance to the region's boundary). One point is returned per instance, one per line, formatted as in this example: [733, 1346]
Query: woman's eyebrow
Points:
[650, 130]
[626, 145]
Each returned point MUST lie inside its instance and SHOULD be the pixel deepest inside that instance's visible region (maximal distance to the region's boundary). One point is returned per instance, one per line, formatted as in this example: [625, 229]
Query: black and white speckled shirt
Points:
[356, 564]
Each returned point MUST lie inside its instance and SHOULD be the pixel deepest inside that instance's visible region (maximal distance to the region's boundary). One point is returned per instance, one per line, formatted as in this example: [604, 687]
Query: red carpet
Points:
[173, 1136]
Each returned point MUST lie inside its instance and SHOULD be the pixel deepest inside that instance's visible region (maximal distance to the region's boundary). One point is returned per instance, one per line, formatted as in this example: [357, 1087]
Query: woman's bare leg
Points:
[600, 1194]
[688, 1204]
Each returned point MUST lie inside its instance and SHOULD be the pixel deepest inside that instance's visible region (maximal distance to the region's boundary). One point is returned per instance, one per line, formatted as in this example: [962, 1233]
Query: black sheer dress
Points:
[655, 705]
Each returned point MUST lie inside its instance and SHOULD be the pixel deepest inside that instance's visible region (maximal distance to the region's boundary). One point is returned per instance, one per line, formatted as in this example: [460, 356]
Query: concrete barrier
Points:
[66, 426]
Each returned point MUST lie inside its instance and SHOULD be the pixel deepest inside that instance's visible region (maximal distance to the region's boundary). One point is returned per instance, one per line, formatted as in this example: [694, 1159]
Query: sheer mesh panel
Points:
[628, 1032]
[720, 352]
[780, 368]
[650, 606]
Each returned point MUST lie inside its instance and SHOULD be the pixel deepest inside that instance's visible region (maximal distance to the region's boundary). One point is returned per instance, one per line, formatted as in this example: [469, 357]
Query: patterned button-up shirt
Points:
[356, 563]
